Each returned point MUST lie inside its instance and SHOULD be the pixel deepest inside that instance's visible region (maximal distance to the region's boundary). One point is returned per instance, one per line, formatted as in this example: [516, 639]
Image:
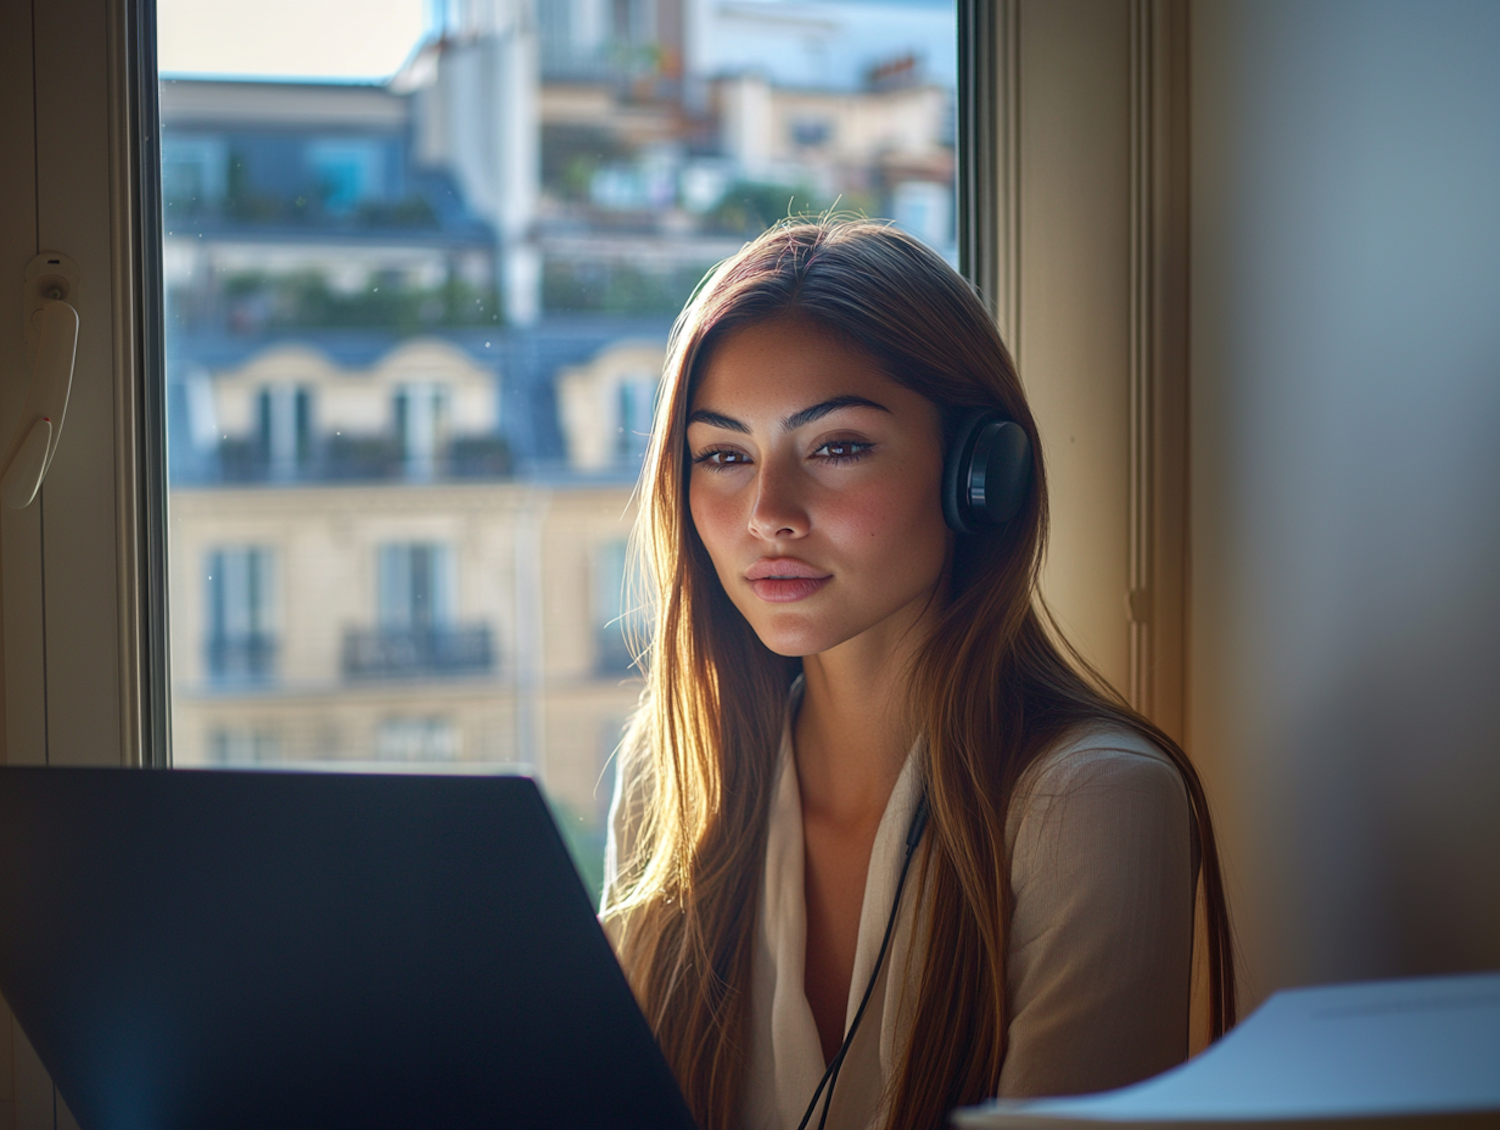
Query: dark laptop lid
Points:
[229, 949]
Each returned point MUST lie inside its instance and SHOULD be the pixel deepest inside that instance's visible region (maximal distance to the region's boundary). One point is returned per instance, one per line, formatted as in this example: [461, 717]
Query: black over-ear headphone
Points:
[986, 473]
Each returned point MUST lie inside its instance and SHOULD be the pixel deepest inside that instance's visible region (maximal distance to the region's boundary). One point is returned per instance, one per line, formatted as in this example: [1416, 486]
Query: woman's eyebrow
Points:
[795, 420]
[715, 420]
[833, 404]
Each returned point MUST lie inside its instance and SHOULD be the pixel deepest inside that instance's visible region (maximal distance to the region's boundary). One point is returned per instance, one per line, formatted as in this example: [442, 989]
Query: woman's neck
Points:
[850, 735]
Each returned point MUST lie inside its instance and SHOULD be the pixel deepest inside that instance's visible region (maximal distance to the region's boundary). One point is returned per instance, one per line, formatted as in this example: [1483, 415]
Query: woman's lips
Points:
[781, 590]
[783, 579]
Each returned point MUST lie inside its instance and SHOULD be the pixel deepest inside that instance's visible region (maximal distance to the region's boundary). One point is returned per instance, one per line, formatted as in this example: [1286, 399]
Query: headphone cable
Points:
[831, 1073]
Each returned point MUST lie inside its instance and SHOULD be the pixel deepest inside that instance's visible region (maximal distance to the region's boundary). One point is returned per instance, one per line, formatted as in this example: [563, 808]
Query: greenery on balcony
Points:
[310, 204]
[257, 300]
[605, 287]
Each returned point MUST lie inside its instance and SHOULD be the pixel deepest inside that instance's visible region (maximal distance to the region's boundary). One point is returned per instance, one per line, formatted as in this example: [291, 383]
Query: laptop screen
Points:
[221, 949]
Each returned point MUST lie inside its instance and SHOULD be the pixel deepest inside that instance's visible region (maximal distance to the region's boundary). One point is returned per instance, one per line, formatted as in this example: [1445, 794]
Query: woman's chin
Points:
[799, 641]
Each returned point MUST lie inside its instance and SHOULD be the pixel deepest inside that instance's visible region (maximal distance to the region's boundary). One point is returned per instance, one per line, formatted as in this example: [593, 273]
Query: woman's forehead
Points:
[785, 360]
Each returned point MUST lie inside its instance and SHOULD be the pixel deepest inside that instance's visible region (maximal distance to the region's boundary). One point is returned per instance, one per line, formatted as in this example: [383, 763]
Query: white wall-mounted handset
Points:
[51, 342]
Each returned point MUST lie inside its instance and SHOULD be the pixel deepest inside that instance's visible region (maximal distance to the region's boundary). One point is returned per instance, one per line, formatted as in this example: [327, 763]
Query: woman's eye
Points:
[722, 457]
[841, 450]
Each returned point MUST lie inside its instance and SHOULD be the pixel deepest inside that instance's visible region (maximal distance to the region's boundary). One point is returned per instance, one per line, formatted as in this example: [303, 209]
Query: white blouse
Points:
[1099, 949]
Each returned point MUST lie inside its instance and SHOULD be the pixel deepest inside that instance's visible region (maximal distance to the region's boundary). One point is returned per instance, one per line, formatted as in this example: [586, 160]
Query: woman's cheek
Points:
[712, 509]
[880, 510]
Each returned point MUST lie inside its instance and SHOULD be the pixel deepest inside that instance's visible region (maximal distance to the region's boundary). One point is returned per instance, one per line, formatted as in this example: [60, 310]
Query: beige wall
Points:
[900, 127]
[1346, 483]
[1072, 340]
[1090, 161]
[1263, 358]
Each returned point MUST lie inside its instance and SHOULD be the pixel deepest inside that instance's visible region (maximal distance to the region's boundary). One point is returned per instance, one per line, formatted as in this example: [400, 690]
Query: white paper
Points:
[1378, 1050]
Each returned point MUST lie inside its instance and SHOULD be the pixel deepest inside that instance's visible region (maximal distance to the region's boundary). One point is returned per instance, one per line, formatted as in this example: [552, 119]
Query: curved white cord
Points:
[35, 442]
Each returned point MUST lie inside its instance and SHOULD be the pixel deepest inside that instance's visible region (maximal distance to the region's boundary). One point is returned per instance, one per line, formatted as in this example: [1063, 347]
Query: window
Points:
[606, 407]
[348, 173]
[194, 173]
[416, 635]
[416, 739]
[241, 642]
[416, 587]
[417, 317]
[245, 748]
[283, 431]
[637, 401]
[420, 412]
[611, 624]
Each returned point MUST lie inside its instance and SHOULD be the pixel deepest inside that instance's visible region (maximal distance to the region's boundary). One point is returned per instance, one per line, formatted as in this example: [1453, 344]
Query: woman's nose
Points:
[779, 510]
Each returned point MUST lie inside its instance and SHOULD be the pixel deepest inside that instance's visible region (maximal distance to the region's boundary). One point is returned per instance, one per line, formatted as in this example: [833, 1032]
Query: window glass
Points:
[419, 283]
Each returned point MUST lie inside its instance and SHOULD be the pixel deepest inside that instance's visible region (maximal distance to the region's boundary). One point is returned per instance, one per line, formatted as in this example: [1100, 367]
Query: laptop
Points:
[205, 949]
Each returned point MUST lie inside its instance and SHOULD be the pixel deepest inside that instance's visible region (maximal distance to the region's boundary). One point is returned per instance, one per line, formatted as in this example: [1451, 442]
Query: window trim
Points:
[978, 151]
[141, 472]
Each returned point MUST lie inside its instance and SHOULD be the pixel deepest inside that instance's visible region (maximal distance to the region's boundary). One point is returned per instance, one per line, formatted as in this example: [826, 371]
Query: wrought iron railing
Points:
[416, 653]
[239, 659]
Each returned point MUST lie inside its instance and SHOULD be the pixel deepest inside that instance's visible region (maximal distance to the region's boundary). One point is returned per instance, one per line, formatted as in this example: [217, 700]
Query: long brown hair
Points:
[684, 904]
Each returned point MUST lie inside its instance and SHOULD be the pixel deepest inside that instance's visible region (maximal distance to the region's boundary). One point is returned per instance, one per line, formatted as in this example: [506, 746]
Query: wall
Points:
[1344, 690]
[1071, 338]
[1325, 176]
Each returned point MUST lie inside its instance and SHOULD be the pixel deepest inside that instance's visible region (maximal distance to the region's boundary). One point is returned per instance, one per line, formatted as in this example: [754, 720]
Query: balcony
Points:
[377, 458]
[241, 659]
[459, 651]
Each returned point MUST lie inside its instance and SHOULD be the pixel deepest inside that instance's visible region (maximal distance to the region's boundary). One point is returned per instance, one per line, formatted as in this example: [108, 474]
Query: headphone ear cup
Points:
[1000, 471]
[956, 474]
[986, 473]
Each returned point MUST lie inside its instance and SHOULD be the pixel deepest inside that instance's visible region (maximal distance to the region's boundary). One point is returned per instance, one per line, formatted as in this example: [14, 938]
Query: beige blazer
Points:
[1100, 944]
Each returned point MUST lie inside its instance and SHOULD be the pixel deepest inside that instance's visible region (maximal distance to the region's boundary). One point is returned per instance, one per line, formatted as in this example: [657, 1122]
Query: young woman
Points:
[869, 791]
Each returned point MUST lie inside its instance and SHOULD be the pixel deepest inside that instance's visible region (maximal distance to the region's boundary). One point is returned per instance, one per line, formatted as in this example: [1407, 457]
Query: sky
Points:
[349, 40]
[365, 40]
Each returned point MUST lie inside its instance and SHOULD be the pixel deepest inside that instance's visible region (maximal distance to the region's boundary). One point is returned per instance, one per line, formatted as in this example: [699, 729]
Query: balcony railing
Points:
[237, 660]
[361, 459]
[418, 653]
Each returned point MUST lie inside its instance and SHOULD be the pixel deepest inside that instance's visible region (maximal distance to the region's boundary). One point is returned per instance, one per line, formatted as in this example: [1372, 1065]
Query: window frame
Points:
[144, 511]
[150, 513]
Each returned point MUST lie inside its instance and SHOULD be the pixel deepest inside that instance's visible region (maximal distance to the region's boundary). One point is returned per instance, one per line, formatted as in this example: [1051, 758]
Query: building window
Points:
[417, 739]
[241, 643]
[421, 427]
[924, 208]
[194, 173]
[284, 431]
[349, 172]
[811, 132]
[416, 634]
[237, 746]
[415, 584]
[612, 625]
[637, 402]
